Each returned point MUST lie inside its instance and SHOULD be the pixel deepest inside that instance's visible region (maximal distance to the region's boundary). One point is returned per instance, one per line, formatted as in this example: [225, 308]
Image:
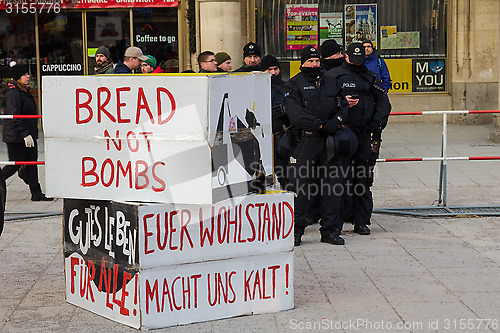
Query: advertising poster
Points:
[330, 27]
[360, 23]
[302, 26]
[108, 28]
[390, 38]
[429, 75]
[401, 75]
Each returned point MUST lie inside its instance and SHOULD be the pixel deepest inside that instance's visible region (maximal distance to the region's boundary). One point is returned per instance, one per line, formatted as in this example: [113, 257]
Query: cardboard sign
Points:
[101, 258]
[153, 138]
[157, 265]
[216, 289]
[177, 234]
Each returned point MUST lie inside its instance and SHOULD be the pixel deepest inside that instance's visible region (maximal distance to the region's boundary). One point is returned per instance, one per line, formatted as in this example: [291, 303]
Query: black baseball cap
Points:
[356, 53]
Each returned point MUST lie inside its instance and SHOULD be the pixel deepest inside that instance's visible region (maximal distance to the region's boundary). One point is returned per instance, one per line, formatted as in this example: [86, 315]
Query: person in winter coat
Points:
[104, 64]
[20, 134]
[132, 60]
[377, 65]
[251, 58]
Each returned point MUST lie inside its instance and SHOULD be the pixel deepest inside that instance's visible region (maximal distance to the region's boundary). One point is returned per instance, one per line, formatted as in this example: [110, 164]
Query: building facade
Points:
[442, 54]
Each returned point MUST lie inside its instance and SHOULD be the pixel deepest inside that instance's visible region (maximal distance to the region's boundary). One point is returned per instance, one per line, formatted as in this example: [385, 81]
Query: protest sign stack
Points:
[161, 225]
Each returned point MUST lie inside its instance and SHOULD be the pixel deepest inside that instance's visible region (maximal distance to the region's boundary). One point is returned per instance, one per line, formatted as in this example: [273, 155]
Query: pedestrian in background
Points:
[251, 58]
[148, 65]
[377, 65]
[104, 64]
[21, 134]
[207, 62]
[132, 60]
[170, 66]
[223, 62]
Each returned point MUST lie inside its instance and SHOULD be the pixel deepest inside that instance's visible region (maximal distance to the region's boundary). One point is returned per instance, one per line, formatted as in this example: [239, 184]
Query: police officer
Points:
[331, 54]
[367, 117]
[314, 113]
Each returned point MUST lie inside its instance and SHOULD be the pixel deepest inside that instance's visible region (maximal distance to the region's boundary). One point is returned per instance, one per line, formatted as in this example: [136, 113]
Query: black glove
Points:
[374, 127]
[372, 160]
[331, 126]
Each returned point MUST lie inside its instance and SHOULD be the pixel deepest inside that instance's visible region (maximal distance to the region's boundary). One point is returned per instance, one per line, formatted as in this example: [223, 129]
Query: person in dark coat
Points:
[132, 60]
[223, 62]
[20, 135]
[280, 121]
[367, 118]
[104, 64]
[207, 62]
[315, 112]
[331, 54]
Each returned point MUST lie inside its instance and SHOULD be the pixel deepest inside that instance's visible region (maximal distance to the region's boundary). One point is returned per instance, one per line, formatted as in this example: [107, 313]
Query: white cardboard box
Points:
[178, 278]
[155, 138]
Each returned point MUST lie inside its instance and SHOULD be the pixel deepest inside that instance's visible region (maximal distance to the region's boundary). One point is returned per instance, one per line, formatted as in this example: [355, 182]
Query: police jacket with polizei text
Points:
[373, 102]
[19, 102]
[306, 103]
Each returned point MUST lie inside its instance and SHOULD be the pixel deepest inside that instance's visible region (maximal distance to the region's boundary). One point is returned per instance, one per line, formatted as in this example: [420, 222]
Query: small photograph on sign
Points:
[233, 128]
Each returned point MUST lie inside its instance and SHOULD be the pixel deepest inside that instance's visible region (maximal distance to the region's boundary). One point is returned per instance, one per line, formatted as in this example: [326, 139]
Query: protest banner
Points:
[172, 139]
[157, 265]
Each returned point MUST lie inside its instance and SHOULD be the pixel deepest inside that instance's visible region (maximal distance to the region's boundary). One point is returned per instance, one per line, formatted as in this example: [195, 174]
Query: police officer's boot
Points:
[362, 229]
[332, 238]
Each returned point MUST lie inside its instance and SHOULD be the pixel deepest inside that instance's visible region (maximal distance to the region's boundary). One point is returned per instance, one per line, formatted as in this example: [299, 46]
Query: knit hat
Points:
[269, 61]
[103, 50]
[17, 71]
[356, 53]
[307, 53]
[222, 57]
[151, 61]
[329, 48]
[251, 49]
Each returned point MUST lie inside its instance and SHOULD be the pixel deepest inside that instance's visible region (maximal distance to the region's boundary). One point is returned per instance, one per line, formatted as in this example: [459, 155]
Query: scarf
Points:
[104, 67]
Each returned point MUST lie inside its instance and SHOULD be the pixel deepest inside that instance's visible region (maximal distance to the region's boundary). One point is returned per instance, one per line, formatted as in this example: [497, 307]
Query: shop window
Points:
[61, 43]
[410, 34]
[110, 29]
[422, 21]
[17, 43]
[155, 32]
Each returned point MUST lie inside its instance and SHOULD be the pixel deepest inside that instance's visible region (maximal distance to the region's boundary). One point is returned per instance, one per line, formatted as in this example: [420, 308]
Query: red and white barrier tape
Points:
[423, 159]
[18, 116]
[22, 163]
[419, 113]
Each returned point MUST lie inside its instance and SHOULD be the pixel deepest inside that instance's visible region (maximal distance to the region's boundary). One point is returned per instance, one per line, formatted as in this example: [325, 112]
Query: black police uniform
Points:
[314, 113]
[369, 116]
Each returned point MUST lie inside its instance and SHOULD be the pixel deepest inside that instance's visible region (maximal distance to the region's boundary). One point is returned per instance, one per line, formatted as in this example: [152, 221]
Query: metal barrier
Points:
[442, 209]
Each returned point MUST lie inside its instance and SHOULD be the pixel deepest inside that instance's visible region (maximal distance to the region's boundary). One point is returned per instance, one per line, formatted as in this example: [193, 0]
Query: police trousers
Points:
[315, 178]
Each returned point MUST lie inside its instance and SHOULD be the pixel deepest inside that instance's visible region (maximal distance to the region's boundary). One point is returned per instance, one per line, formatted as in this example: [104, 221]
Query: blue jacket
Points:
[121, 68]
[382, 71]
